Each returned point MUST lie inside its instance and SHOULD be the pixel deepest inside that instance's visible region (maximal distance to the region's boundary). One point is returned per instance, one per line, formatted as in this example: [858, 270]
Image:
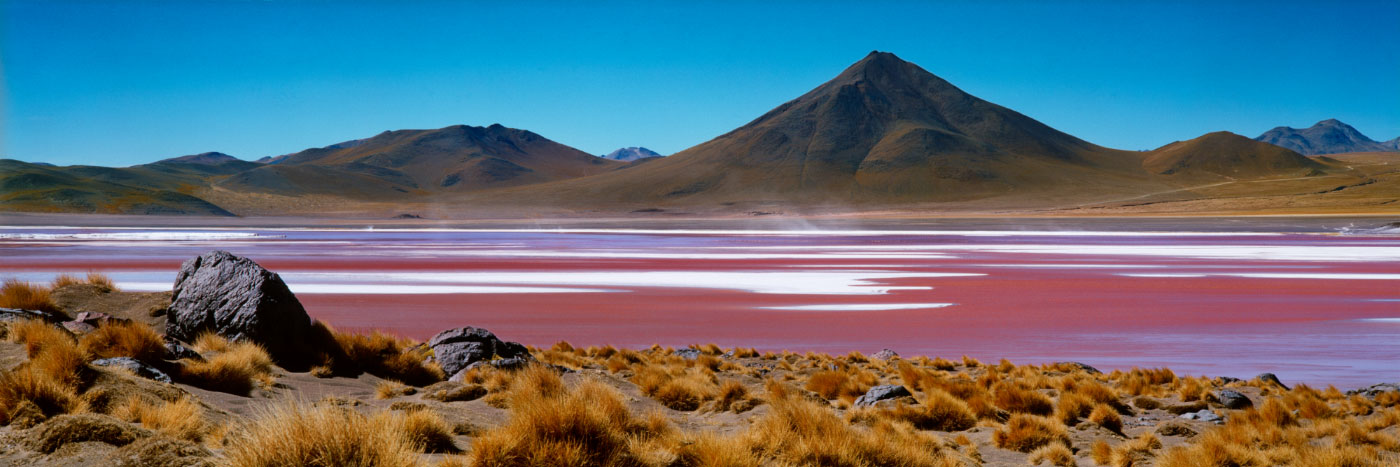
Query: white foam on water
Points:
[386, 289]
[139, 236]
[1282, 275]
[861, 307]
[860, 233]
[821, 282]
[1350, 253]
[639, 254]
[1381, 320]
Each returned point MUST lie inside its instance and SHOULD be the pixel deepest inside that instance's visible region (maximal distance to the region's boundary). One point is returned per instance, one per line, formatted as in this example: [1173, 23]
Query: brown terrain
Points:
[380, 400]
[884, 136]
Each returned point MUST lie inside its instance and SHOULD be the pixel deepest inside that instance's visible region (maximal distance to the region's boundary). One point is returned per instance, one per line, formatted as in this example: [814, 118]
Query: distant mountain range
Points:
[883, 134]
[1326, 137]
[631, 154]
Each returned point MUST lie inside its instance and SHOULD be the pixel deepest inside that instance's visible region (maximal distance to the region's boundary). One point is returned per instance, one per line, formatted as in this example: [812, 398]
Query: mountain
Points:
[1228, 155]
[631, 154]
[884, 130]
[405, 163]
[340, 145]
[1393, 145]
[1326, 137]
[89, 189]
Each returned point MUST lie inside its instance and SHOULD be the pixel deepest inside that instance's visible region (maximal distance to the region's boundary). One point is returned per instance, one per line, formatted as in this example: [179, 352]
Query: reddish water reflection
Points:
[1315, 308]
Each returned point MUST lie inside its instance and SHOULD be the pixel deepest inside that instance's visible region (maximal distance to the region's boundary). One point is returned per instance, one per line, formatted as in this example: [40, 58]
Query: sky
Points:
[129, 82]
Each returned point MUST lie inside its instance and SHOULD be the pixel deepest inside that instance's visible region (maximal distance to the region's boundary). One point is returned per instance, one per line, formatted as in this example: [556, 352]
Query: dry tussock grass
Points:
[553, 425]
[237, 368]
[16, 293]
[51, 379]
[181, 419]
[1026, 433]
[125, 339]
[423, 430]
[302, 435]
[381, 355]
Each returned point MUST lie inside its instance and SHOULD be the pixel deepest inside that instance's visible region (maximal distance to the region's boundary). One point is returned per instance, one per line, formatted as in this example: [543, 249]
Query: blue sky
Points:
[121, 83]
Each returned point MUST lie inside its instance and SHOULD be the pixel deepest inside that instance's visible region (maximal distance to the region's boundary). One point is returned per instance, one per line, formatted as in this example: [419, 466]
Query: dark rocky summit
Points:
[240, 300]
[1329, 136]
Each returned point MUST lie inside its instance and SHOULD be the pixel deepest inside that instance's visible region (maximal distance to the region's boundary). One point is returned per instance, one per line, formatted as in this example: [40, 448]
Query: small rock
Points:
[1233, 400]
[880, 393]
[885, 354]
[1080, 366]
[687, 353]
[1271, 378]
[10, 315]
[1228, 380]
[135, 366]
[77, 327]
[95, 318]
[174, 350]
[1205, 416]
[1375, 390]
[1175, 428]
[454, 392]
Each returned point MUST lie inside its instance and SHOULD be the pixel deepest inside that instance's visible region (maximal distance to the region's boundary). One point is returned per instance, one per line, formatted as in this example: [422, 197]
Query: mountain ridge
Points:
[1329, 136]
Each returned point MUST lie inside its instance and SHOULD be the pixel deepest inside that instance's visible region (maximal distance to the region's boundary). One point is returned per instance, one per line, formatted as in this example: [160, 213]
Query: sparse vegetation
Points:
[235, 368]
[292, 434]
[124, 339]
[19, 294]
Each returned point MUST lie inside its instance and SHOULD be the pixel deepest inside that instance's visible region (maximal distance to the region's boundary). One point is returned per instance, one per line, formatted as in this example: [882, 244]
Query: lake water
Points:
[1315, 307]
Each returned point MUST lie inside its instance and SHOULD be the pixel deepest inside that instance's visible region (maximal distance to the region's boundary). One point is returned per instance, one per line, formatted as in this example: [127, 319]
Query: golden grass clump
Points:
[1072, 407]
[1107, 417]
[383, 355]
[1056, 454]
[237, 368]
[799, 431]
[551, 425]
[49, 381]
[732, 396]
[1026, 433]
[1136, 451]
[423, 430]
[678, 387]
[389, 389]
[125, 339]
[937, 411]
[837, 384]
[182, 419]
[102, 281]
[302, 435]
[16, 293]
[1014, 398]
[64, 280]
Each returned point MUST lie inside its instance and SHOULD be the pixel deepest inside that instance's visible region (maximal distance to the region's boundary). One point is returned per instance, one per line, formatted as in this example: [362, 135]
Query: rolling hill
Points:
[1325, 137]
[407, 163]
[1228, 155]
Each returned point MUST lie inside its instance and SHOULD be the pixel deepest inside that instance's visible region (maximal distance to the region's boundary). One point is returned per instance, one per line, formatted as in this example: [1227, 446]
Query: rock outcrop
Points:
[458, 348]
[240, 300]
[881, 393]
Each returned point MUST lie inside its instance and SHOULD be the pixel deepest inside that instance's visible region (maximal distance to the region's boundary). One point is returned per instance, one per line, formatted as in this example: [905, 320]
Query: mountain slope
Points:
[884, 130]
[1326, 137]
[88, 189]
[631, 154]
[415, 162]
[1228, 155]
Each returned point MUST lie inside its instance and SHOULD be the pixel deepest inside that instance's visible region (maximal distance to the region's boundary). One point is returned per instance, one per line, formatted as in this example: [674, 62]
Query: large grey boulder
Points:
[239, 300]
[1271, 378]
[456, 349]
